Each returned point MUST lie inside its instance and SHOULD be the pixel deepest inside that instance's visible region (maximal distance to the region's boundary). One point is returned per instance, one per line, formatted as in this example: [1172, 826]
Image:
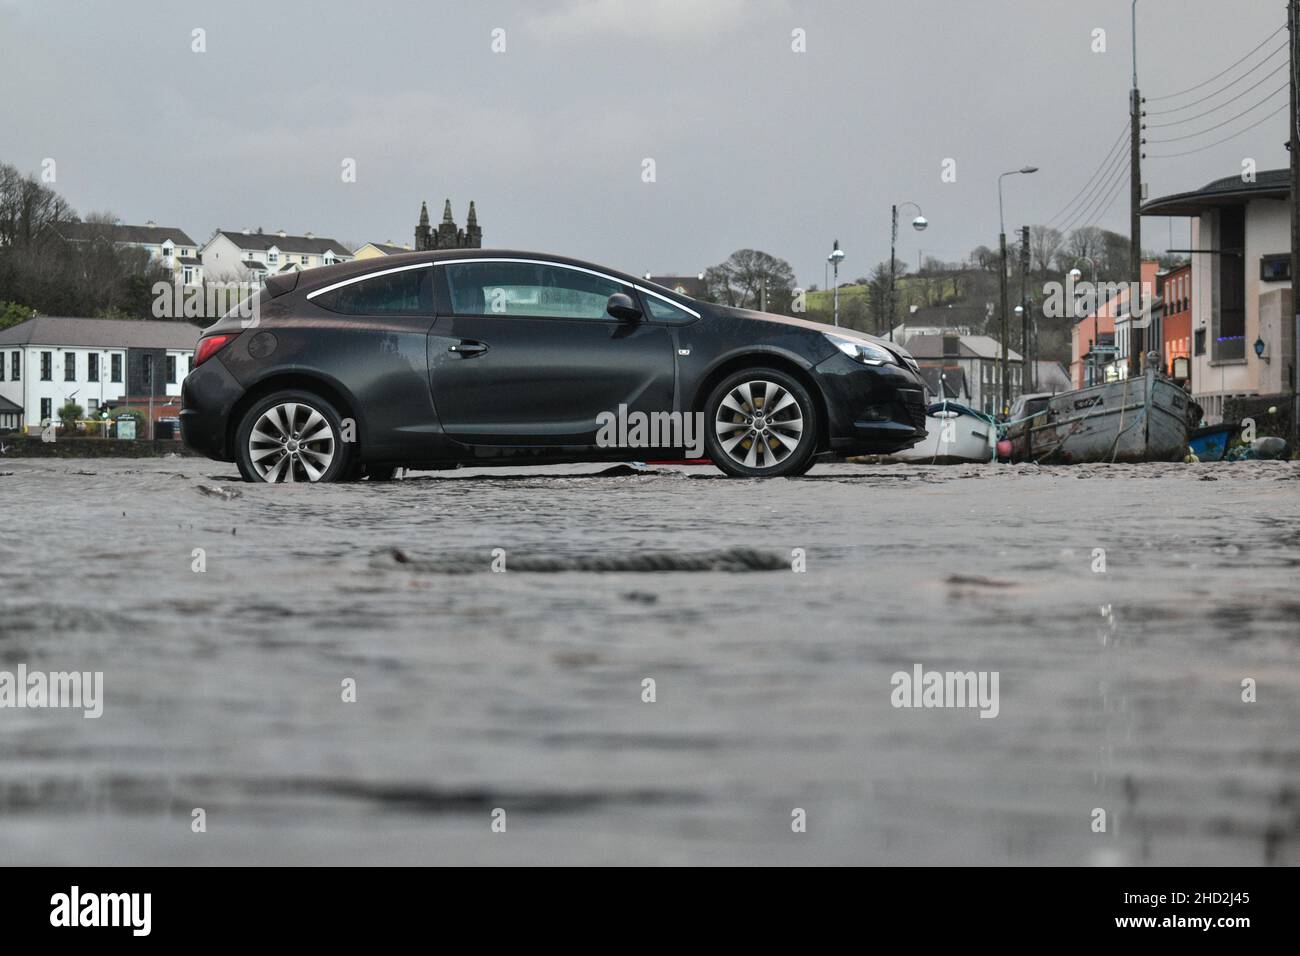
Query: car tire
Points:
[270, 445]
[745, 440]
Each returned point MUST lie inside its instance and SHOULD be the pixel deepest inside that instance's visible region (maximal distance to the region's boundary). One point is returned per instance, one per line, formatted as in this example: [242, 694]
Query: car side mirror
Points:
[621, 307]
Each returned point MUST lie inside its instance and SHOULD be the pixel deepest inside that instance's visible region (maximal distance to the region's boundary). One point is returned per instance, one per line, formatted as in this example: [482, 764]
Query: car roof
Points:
[312, 279]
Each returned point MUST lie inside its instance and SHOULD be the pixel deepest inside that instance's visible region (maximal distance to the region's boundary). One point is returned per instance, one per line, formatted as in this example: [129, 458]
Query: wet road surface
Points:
[480, 691]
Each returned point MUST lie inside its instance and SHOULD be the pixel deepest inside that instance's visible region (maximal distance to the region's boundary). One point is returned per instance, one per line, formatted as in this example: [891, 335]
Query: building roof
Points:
[101, 333]
[683, 285]
[8, 407]
[969, 346]
[147, 235]
[388, 248]
[261, 241]
[1229, 191]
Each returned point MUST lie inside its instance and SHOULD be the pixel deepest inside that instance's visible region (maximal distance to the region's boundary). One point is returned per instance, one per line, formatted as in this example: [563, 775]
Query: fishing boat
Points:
[954, 434]
[1144, 418]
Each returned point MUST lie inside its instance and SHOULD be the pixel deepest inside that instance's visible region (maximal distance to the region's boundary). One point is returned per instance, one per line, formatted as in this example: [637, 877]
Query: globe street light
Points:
[834, 259]
[1002, 244]
[919, 224]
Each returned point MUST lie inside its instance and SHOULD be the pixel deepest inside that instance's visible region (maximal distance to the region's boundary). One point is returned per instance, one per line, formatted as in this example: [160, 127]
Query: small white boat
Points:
[955, 434]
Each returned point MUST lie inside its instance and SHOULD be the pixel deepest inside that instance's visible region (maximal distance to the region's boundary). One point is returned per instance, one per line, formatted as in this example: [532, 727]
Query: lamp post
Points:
[919, 224]
[1076, 275]
[834, 259]
[1002, 283]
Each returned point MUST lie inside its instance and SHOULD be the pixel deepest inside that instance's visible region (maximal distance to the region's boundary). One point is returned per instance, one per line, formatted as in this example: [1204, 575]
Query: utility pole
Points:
[893, 241]
[1002, 284]
[1293, 25]
[1025, 359]
[1136, 342]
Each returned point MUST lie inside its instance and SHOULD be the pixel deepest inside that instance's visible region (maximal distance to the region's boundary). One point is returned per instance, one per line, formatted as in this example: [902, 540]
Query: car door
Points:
[523, 352]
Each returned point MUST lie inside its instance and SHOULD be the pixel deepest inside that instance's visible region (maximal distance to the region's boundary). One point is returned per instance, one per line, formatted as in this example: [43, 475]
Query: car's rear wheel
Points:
[761, 423]
[293, 436]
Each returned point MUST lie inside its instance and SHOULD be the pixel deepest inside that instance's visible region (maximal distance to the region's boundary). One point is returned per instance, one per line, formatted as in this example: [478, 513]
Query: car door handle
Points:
[468, 348]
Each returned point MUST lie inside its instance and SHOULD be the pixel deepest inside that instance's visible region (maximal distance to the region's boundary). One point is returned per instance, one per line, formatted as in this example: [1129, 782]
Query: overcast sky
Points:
[754, 145]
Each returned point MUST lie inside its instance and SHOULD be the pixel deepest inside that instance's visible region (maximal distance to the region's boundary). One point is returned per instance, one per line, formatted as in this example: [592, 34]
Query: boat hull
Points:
[952, 439]
[1132, 420]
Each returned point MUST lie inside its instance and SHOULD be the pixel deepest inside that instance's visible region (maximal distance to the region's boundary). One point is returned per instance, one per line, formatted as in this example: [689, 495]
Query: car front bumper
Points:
[873, 409]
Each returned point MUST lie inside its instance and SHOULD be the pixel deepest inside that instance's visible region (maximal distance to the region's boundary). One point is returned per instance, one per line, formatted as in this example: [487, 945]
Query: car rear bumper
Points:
[208, 395]
[873, 410]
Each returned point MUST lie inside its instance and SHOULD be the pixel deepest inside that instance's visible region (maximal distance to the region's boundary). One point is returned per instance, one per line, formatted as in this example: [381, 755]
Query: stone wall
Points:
[33, 447]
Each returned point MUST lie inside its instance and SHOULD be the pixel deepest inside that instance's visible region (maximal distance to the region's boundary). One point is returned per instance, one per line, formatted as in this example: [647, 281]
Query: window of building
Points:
[92, 404]
[189, 275]
[47, 366]
[528, 288]
[15, 366]
[304, 259]
[171, 370]
[47, 409]
[92, 367]
[409, 292]
[329, 258]
[1275, 268]
[115, 367]
[69, 366]
[1230, 317]
[146, 370]
[272, 258]
[1200, 341]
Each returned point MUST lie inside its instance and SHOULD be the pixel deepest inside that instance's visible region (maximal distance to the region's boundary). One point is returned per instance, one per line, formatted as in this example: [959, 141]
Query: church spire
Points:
[472, 219]
[446, 212]
[424, 213]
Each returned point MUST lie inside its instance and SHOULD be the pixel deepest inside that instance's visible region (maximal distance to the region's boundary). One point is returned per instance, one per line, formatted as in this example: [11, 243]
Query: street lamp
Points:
[1002, 245]
[834, 259]
[1076, 275]
[919, 224]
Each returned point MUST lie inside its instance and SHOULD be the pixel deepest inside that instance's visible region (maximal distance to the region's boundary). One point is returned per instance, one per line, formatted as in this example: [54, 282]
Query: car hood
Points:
[789, 320]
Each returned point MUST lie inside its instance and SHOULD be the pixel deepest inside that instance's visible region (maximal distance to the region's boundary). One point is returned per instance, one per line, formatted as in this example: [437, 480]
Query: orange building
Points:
[1175, 291]
[1094, 349]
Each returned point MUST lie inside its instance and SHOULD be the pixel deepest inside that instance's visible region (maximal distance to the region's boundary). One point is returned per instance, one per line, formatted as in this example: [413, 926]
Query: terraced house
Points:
[252, 255]
[170, 247]
[49, 361]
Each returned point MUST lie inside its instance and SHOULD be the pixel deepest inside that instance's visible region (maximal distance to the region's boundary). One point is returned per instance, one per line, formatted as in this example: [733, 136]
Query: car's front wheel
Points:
[292, 436]
[761, 423]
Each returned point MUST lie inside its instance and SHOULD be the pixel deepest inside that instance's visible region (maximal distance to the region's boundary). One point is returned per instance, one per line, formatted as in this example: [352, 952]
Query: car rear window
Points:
[409, 292]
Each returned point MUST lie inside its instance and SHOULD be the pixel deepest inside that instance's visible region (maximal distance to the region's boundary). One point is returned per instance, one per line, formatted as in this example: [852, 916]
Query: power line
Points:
[1170, 96]
[1225, 139]
[1104, 199]
[1281, 66]
[1211, 129]
[1066, 209]
[1227, 86]
[1115, 168]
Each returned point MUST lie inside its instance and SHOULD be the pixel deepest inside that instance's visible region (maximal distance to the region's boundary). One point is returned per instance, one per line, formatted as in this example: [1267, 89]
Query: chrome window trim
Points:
[540, 262]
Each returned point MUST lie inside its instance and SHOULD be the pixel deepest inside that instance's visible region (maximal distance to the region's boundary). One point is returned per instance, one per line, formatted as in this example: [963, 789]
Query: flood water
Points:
[518, 696]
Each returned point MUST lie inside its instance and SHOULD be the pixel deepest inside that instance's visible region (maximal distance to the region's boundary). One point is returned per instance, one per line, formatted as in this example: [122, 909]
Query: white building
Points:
[250, 256]
[969, 364]
[49, 361]
[1242, 321]
[170, 247]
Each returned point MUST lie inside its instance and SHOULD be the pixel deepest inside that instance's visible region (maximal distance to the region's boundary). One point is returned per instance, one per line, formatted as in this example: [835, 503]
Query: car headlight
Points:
[859, 351]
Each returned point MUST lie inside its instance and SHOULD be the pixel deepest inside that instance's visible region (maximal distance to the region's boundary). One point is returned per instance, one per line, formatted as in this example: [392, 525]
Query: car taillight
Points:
[210, 346]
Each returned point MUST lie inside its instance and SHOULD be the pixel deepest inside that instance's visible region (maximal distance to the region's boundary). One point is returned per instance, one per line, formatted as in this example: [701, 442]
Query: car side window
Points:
[409, 292]
[665, 311]
[528, 288]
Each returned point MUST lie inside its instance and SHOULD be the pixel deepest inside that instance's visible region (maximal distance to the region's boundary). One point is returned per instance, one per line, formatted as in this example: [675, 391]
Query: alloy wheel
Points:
[291, 442]
[759, 424]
